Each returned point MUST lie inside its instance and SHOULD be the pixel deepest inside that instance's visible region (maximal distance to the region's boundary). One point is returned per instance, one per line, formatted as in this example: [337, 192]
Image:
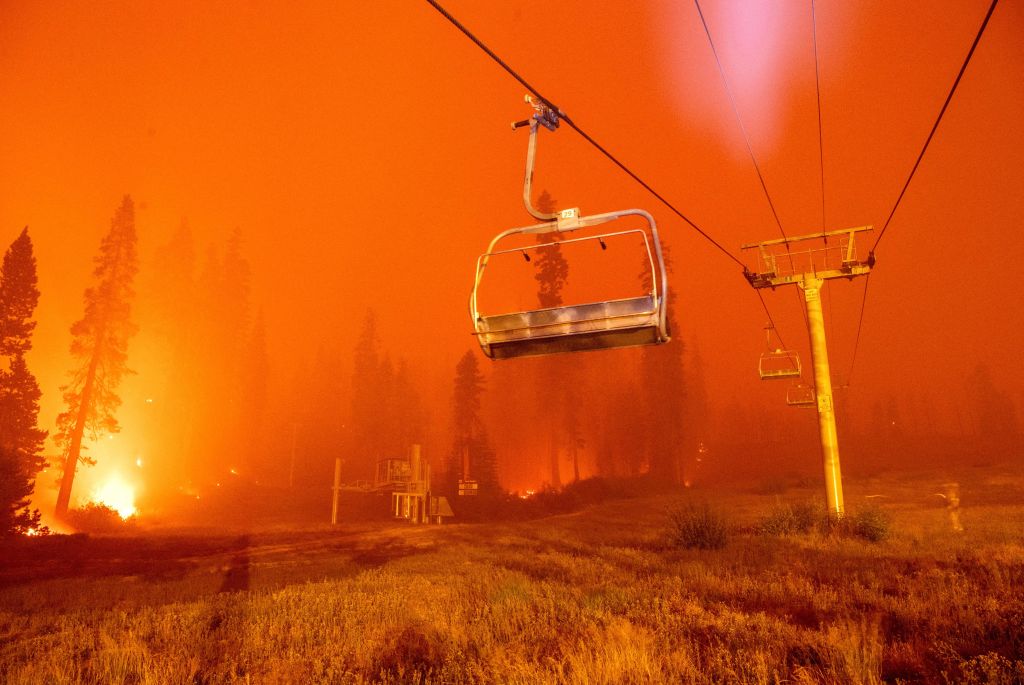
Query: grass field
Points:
[601, 595]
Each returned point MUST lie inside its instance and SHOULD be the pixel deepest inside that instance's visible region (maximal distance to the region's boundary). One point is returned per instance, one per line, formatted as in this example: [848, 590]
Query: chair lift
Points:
[776, 363]
[800, 395]
[590, 326]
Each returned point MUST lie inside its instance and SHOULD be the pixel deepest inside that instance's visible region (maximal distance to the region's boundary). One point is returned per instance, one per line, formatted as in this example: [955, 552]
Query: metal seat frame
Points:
[574, 328]
[801, 395]
[769, 372]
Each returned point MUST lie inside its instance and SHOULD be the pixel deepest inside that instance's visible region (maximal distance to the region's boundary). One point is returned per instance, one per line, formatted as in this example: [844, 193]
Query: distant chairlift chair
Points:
[800, 395]
[776, 363]
[573, 328]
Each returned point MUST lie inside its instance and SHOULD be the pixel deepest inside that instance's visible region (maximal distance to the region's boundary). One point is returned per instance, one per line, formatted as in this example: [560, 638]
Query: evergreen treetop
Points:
[18, 296]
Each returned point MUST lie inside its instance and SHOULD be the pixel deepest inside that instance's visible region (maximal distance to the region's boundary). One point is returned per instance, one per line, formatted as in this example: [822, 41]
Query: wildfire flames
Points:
[117, 494]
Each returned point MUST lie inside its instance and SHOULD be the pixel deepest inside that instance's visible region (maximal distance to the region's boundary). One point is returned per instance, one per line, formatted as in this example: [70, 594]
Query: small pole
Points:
[337, 489]
[823, 395]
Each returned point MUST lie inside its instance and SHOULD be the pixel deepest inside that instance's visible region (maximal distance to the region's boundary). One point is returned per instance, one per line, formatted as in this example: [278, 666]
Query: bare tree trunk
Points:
[75, 448]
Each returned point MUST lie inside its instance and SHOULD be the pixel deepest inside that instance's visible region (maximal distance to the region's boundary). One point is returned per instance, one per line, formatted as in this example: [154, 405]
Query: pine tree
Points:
[368, 402]
[170, 343]
[552, 274]
[18, 297]
[100, 347]
[663, 376]
[21, 441]
[471, 455]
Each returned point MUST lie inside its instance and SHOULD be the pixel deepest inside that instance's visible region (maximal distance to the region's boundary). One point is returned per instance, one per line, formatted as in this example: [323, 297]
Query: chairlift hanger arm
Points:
[546, 116]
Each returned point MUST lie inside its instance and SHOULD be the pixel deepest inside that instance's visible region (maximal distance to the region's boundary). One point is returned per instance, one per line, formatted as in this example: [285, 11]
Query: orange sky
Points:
[364, 151]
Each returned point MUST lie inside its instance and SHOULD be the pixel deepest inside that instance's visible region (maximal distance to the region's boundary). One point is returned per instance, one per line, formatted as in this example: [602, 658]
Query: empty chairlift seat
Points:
[600, 325]
[779, 365]
[800, 395]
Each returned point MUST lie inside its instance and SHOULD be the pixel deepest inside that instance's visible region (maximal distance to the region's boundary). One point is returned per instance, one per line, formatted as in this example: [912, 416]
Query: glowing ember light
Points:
[138, 462]
[116, 494]
[149, 400]
[234, 472]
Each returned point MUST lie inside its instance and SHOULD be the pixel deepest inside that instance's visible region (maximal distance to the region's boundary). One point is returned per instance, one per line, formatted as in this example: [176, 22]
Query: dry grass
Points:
[599, 596]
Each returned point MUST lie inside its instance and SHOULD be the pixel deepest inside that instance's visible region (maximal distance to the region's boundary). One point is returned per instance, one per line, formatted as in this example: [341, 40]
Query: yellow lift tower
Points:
[807, 262]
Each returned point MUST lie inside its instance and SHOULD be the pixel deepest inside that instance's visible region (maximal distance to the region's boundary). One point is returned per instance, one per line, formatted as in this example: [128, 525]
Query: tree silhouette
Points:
[171, 339]
[369, 393]
[18, 297]
[663, 377]
[100, 346]
[471, 456]
[551, 276]
[21, 441]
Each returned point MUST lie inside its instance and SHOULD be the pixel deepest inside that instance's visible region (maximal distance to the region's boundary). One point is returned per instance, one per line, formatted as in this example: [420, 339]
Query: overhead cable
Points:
[860, 325]
[564, 117]
[967, 60]
[739, 120]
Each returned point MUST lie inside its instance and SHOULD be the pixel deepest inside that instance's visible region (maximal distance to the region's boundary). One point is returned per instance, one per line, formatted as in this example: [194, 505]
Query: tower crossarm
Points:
[823, 255]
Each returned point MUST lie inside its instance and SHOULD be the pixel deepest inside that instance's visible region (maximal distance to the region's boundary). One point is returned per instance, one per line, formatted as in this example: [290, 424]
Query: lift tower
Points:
[807, 262]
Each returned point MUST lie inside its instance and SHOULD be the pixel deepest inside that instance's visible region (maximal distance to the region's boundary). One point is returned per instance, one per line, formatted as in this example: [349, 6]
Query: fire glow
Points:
[117, 494]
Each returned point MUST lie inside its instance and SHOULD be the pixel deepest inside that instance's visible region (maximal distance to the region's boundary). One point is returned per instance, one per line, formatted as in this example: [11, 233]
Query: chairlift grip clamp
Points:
[545, 114]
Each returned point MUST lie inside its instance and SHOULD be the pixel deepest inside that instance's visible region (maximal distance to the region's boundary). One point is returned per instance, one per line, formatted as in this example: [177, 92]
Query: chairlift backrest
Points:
[778, 365]
[800, 395]
[597, 325]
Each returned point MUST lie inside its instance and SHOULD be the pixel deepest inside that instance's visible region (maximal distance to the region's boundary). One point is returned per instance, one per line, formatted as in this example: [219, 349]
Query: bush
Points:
[871, 524]
[789, 519]
[98, 518]
[698, 526]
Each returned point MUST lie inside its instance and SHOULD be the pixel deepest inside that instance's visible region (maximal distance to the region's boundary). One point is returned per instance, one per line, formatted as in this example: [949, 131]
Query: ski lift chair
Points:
[800, 395]
[779, 365]
[588, 326]
[600, 325]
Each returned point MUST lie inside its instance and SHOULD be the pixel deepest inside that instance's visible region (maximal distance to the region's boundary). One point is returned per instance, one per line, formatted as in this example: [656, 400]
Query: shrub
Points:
[698, 526]
[789, 519]
[98, 518]
[871, 524]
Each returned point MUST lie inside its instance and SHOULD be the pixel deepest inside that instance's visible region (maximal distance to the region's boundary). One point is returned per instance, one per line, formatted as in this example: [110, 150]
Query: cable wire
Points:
[739, 120]
[942, 111]
[490, 53]
[782, 343]
[821, 164]
[928, 140]
[860, 326]
[817, 93]
[750, 151]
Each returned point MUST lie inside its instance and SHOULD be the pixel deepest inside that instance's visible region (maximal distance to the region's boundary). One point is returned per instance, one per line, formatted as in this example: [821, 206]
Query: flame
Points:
[117, 494]
[32, 532]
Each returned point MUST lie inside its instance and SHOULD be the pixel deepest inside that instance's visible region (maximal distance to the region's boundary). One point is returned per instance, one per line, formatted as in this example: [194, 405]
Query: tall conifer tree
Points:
[369, 394]
[663, 374]
[21, 441]
[18, 297]
[552, 274]
[100, 347]
[471, 455]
